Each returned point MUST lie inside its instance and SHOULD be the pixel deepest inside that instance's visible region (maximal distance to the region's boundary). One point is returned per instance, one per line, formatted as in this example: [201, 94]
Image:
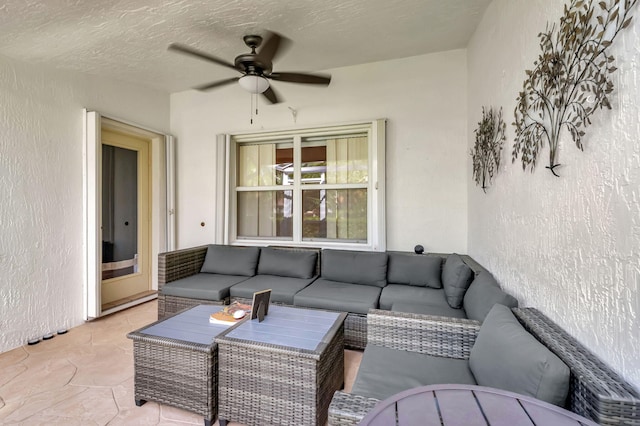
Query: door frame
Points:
[162, 209]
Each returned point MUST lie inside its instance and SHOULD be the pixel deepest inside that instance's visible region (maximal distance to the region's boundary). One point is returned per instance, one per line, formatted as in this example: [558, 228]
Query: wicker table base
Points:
[175, 362]
[282, 371]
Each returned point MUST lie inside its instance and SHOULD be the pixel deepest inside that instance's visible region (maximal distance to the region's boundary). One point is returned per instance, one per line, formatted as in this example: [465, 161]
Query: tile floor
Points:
[85, 377]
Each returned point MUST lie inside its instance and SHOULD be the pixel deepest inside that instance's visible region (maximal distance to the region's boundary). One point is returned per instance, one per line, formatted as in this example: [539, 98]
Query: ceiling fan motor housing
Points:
[252, 64]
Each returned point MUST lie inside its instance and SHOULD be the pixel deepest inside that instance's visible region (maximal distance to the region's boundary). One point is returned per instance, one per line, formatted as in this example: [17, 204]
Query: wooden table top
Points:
[466, 405]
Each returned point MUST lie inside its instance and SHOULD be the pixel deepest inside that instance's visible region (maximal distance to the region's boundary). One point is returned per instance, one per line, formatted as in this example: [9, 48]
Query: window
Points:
[316, 187]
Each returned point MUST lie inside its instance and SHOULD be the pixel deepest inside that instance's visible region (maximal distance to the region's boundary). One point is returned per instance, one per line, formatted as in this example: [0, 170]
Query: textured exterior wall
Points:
[41, 240]
[569, 246]
[424, 100]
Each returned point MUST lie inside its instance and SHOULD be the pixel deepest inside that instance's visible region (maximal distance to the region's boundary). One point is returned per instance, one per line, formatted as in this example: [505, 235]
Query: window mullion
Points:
[262, 188]
[297, 189]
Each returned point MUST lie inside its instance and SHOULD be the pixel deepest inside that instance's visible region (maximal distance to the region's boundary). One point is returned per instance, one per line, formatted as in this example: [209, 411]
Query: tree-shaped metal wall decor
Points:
[488, 147]
[570, 80]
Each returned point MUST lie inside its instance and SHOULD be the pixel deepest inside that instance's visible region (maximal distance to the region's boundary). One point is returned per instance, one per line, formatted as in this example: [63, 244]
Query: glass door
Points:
[125, 218]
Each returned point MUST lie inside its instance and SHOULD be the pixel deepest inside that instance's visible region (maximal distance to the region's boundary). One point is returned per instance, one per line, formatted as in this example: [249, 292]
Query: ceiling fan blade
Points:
[274, 46]
[215, 84]
[295, 77]
[181, 48]
[271, 95]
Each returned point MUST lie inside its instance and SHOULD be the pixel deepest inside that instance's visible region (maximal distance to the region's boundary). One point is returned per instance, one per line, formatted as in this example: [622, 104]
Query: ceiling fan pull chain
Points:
[255, 96]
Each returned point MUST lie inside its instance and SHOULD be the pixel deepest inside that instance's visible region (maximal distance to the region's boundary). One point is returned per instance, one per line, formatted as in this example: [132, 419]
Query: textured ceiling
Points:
[128, 39]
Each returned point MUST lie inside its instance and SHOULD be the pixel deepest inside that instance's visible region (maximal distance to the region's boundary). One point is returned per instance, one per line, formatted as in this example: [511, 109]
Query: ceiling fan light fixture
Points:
[253, 83]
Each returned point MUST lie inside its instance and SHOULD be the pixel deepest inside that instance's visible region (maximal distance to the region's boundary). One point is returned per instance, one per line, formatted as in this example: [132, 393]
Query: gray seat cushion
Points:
[417, 308]
[482, 294]
[202, 286]
[506, 356]
[414, 269]
[282, 288]
[394, 293]
[287, 263]
[456, 277]
[357, 267]
[384, 372]
[338, 296]
[231, 260]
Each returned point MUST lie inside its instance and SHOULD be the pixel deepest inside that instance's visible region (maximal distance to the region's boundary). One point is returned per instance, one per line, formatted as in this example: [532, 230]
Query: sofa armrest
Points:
[174, 265]
[596, 391]
[349, 409]
[427, 334]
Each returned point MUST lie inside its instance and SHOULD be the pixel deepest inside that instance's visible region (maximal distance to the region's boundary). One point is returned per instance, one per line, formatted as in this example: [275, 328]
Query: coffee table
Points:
[468, 405]
[175, 361]
[282, 371]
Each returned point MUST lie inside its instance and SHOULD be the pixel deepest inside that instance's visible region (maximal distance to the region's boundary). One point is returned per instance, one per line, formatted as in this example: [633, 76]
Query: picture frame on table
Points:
[260, 305]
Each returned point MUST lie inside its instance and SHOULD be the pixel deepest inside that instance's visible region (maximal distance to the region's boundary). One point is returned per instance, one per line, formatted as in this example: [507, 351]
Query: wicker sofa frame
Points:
[173, 266]
[596, 392]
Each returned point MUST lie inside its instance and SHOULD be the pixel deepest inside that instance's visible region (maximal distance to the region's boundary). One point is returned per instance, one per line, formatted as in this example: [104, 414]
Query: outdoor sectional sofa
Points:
[519, 350]
[447, 285]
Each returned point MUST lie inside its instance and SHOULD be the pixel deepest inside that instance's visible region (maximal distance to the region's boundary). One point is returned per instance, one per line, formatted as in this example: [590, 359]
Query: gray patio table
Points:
[282, 371]
[467, 405]
[175, 361]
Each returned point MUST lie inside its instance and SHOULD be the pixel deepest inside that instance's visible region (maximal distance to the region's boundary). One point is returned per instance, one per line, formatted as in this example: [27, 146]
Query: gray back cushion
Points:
[506, 356]
[231, 260]
[357, 267]
[412, 269]
[287, 263]
[482, 294]
[456, 277]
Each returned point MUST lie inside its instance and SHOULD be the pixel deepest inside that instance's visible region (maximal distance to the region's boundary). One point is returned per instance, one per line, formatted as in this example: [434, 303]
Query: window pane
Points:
[265, 214]
[347, 160]
[335, 214]
[266, 164]
[314, 163]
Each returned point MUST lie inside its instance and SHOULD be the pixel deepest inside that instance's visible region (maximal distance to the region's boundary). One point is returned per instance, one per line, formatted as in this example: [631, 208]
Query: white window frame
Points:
[226, 184]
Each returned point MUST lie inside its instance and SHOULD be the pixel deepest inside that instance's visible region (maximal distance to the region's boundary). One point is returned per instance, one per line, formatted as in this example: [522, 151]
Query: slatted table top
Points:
[191, 326]
[306, 330]
[466, 405]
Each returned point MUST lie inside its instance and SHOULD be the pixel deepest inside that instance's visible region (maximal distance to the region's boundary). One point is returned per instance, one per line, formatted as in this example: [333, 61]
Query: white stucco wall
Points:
[41, 240]
[569, 246]
[424, 100]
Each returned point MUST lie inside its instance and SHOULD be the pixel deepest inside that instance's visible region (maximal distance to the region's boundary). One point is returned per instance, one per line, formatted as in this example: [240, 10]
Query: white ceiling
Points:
[128, 39]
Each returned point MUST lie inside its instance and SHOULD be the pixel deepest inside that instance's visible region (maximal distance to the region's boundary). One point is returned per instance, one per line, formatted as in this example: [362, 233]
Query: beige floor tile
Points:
[351, 363]
[23, 409]
[92, 406]
[106, 365]
[170, 415]
[9, 358]
[41, 374]
[129, 413]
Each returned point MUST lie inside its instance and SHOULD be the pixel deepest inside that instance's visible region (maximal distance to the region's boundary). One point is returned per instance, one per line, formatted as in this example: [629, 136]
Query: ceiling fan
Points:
[256, 67]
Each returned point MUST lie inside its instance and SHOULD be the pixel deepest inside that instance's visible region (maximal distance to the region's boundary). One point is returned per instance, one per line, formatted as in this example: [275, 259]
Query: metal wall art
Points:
[570, 80]
[488, 147]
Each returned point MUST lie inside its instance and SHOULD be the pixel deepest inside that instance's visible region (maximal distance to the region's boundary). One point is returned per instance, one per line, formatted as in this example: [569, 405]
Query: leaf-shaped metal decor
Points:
[487, 150]
[570, 80]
